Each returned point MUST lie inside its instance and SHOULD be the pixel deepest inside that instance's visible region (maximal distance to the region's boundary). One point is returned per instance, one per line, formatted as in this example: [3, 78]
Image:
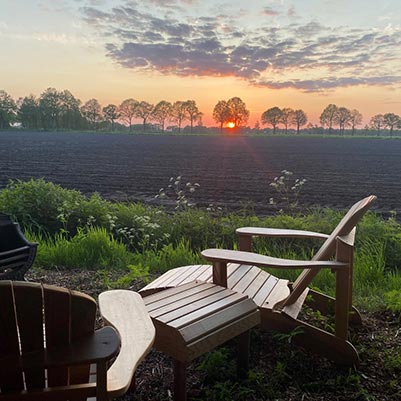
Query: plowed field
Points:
[232, 171]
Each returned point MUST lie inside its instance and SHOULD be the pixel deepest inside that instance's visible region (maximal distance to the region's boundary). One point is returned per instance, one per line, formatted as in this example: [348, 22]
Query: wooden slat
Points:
[158, 282]
[29, 308]
[54, 394]
[257, 284]
[261, 296]
[159, 298]
[231, 299]
[246, 280]
[182, 302]
[57, 325]
[195, 275]
[278, 293]
[206, 275]
[217, 320]
[238, 274]
[9, 380]
[181, 275]
[200, 304]
[83, 313]
[223, 334]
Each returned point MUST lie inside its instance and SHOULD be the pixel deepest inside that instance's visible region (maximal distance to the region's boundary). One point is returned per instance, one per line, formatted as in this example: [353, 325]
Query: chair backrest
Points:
[33, 316]
[327, 250]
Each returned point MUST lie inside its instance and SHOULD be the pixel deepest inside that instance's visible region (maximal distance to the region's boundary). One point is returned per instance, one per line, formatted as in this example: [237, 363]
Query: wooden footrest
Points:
[194, 318]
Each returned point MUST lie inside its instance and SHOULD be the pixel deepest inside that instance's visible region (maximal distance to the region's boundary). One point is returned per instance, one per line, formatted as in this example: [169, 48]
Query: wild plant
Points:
[178, 191]
[288, 190]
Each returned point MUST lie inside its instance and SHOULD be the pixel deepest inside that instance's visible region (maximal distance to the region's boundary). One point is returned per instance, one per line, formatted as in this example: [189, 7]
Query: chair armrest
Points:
[102, 345]
[279, 232]
[126, 312]
[250, 258]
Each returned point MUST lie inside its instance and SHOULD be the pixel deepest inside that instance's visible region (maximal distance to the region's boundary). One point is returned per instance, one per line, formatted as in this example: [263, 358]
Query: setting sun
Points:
[230, 125]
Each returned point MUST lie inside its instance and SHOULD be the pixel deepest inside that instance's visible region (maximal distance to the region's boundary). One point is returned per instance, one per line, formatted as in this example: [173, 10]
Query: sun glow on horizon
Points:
[230, 125]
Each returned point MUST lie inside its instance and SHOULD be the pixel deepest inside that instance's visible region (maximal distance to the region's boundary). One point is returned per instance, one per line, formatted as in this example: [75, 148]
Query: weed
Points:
[287, 190]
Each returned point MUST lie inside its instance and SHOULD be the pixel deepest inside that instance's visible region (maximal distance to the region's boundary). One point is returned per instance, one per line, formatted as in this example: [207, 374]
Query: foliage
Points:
[93, 248]
[8, 109]
[233, 110]
[392, 300]
[272, 116]
[221, 113]
[238, 112]
[328, 116]
[299, 119]
[161, 113]
[151, 240]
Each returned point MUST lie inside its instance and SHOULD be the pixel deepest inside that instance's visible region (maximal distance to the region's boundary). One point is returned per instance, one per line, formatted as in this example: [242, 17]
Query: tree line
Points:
[54, 110]
[61, 110]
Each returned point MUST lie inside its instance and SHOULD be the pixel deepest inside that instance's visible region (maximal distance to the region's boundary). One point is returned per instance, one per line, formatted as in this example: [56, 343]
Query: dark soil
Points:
[233, 172]
[279, 370]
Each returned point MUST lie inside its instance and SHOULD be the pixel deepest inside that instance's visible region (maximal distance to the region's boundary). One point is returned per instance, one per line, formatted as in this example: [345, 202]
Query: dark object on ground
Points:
[16, 252]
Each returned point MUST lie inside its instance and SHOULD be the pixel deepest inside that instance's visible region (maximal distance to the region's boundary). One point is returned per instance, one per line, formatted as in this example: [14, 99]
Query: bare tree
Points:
[273, 117]
[127, 110]
[144, 111]
[193, 112]
[356, 119]
[286, 117]
[178, 113]
[299, 119]
[342, 118]
[161, 113]
[111, 114]
[377, 122]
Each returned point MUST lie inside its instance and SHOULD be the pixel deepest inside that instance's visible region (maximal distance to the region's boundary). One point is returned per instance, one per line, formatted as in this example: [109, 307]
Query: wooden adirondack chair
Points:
[49, 346]
[280, 301]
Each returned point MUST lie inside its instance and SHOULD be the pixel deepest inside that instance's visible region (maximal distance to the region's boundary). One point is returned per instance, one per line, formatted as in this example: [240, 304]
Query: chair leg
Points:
[180, 380]
[132, 386]
[326, 305]
[243, 354]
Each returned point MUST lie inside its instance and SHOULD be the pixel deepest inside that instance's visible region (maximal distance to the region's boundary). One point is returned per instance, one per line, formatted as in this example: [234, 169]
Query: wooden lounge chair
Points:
[16, 252]
[280, 301]
[49, 346]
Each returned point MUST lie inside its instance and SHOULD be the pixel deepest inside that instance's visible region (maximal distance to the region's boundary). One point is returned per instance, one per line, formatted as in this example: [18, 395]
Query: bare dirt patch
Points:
[233, 171]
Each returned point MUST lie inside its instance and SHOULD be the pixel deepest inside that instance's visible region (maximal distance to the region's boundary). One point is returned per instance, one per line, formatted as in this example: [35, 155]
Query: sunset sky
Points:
[299, 54]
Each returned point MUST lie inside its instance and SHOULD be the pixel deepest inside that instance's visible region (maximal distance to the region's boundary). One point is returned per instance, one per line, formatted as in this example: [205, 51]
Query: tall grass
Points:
[94, 248]
[79, 232]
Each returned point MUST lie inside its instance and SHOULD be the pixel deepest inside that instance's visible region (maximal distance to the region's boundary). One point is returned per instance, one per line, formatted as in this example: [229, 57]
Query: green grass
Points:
[75, 231]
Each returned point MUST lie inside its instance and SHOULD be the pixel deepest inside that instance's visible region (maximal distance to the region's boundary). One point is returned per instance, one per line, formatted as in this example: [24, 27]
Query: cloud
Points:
[269, 12]
[174, 42]
[322, 84]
